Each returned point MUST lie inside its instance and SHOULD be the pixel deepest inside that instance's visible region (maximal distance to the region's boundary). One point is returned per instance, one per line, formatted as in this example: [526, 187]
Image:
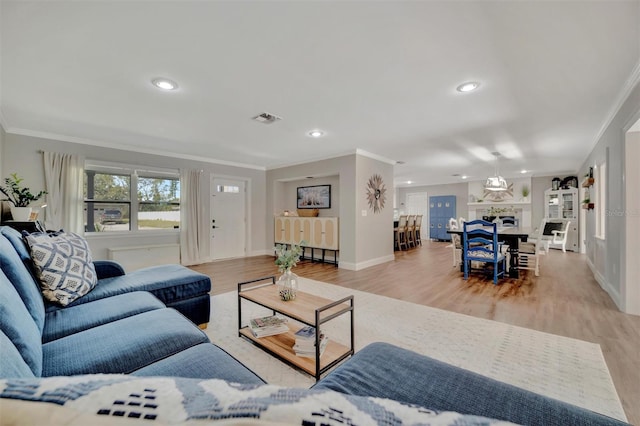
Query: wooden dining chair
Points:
[559, 237]
[529, 256]
[411, 227]
[456, 242]
[509, 220]
[480, 244]
[552, 232]
[401, 232]
[417, 230]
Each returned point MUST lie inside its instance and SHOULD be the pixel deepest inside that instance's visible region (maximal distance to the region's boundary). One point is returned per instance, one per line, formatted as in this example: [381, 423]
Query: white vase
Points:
[20, 214]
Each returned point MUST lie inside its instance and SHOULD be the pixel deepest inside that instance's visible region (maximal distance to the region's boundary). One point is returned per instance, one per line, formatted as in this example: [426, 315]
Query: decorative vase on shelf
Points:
[287, 285]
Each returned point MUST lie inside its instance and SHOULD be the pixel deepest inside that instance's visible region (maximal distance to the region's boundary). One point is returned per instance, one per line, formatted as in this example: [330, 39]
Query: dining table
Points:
[511, 236]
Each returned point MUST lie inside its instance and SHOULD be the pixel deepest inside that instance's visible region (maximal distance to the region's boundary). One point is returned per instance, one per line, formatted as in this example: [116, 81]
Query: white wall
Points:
[608, 258]
[290, 190]
[374, 231]
[364, 240]
[21, 154]
[2, 136]
[2, 176]
[281, 183]
[460, 190]
[631, 274]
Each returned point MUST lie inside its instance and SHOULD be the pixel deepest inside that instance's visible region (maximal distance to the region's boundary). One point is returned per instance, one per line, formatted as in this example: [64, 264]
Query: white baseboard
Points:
[260, 253]
[350, 266]
[606, 286]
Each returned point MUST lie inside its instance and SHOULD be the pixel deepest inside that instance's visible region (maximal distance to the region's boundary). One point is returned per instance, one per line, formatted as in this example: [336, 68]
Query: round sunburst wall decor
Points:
[376, 193]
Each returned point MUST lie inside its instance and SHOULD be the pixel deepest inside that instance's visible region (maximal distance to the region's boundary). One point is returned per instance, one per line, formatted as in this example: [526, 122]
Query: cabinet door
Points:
[283, 230]
[278, 230]
[444, 235]
[433, 228]
[325, 231]
[449, 207]
[440, 207]
[553, 206]
[432, 207]
[572, 237]
[301, 230]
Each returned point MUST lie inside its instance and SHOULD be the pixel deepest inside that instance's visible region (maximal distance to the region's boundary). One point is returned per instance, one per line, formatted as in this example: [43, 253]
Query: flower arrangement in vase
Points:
[20, 197]
[287, 258]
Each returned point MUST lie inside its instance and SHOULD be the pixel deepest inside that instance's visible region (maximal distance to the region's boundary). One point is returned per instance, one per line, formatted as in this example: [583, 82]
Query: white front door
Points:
[228, 218]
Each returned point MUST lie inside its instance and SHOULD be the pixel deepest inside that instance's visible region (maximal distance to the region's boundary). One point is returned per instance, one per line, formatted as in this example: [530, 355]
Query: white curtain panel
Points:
[63, 176]
[194, 235]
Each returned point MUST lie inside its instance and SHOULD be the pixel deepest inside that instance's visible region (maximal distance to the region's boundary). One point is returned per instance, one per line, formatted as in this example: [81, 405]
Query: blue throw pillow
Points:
[63, 265]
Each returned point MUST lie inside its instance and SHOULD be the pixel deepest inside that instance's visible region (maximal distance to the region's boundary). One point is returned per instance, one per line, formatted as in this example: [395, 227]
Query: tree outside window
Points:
[129, 200]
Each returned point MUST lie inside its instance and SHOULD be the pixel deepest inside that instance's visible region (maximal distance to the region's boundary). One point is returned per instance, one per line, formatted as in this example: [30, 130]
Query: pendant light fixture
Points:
[496, 183]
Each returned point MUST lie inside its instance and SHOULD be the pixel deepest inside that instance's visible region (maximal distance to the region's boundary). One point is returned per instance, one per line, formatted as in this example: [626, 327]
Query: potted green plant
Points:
[287, 258]
[20, 197]
[525, 193]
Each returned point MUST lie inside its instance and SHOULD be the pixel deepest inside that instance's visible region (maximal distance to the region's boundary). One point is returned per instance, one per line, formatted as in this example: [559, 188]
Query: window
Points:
[126, 198]
[600, 175]
[232, 189]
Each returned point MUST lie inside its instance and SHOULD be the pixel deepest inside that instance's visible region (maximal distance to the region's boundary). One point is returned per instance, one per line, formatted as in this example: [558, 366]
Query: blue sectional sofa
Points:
[174, 285]
[123, 352]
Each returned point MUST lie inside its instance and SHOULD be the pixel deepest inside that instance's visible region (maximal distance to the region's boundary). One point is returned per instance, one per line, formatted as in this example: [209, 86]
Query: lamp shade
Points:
[496, 183]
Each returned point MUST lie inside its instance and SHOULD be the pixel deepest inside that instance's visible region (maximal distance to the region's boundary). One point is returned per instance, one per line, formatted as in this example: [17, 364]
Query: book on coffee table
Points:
[305, 344]
[268, 326]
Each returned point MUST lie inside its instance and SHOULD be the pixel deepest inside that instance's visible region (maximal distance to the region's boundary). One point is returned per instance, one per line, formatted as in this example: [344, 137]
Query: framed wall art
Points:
[314, 197]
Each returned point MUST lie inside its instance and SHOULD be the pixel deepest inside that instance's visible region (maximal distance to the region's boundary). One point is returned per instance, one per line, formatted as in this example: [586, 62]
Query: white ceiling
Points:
[378, 76]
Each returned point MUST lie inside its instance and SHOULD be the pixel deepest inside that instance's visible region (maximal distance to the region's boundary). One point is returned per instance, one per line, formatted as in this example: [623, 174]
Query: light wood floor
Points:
[565, 300]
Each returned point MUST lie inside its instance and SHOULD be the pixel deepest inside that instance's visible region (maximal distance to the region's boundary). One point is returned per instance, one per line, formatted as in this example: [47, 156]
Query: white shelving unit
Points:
[564, 204]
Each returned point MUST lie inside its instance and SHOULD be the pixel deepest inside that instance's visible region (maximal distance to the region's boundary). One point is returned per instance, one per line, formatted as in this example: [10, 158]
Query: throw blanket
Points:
[109, 399]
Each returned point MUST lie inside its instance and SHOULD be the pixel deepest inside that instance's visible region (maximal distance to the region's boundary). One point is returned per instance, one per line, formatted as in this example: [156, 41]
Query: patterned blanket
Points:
[114, 399]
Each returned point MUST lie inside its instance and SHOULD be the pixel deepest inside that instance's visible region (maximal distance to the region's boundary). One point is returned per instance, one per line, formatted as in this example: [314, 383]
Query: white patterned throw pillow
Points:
[63, 265]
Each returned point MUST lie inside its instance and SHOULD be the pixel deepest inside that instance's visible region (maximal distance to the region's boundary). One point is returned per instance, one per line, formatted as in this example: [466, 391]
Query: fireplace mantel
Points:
[521, 209]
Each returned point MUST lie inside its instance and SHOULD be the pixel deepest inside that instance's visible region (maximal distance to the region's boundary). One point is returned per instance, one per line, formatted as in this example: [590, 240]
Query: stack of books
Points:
[268, 326]
[305, 345]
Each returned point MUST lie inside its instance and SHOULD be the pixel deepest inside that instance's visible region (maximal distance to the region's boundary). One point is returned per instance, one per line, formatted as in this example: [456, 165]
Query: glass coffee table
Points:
[305, 308]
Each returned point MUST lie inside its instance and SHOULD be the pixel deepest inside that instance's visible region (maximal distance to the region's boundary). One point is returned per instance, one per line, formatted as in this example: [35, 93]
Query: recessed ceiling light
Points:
[409, 182]
[523, 171]
[316, 133]
[464, 176]
[468, 86]
[164, 83]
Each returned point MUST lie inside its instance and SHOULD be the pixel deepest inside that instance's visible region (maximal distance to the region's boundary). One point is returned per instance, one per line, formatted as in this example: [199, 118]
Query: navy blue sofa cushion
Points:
[17, 242]
[63, 322]
[18, 325]
[22, 279]
[108, 269]
[387, 371]
[169, 283]
[197, 309]
[205, 361]
[121, 346]
[12, 364]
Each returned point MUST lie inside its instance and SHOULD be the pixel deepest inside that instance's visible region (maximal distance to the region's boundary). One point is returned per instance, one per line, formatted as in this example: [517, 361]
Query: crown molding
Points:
[125, 147]
[375, 156]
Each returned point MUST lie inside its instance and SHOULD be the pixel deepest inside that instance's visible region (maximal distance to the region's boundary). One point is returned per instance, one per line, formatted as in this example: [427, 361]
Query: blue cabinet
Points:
[441, 209]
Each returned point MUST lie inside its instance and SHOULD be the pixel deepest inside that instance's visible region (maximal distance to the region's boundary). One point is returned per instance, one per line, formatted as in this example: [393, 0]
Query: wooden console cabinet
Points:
[318, 233]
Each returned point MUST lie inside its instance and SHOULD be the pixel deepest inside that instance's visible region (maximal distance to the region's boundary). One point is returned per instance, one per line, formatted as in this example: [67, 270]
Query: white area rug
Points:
[559, 367]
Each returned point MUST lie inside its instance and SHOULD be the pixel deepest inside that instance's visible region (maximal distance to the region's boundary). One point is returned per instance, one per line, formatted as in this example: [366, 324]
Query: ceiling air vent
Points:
[266, 118]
